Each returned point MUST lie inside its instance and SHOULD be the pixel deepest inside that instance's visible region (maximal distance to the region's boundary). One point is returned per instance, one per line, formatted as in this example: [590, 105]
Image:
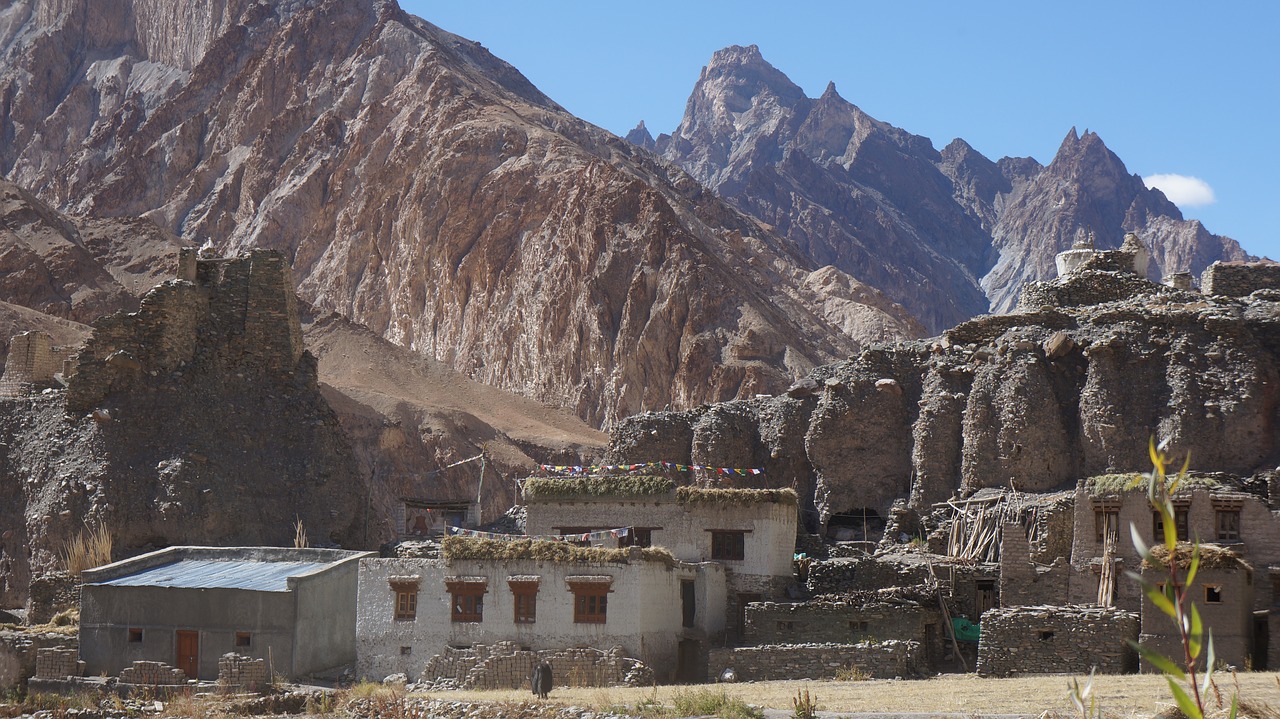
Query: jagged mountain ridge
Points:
[425, 189]
[948, 234]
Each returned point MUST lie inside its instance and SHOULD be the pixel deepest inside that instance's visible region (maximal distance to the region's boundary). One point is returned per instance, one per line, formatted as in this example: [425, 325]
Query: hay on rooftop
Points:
[459, 548]
[597, 486]
[1212, 556]
[705, 495]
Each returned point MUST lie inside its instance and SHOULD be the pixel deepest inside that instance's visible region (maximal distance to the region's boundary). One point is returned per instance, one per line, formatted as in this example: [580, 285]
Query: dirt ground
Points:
[1118, 695]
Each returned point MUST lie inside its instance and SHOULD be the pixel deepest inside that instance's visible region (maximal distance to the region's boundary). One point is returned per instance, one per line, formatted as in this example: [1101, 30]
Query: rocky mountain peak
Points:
[640, 136]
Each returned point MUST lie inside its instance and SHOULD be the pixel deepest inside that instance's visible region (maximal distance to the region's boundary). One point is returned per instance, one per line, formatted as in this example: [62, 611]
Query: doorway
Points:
[188, 653]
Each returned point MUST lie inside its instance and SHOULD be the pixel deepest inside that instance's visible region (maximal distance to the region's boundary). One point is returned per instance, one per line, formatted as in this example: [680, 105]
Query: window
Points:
[524, 593]
[1045, 634]
[468, 600]
[135, 636]
[576, 530]
[858, 626]
[1106, 521]
[406, 604]
[1213, 594]
[590, 602]
[406, 651]
[1228, 523]
[244, 639]
[1179, 521]
[728, 544]
[786, 626]
[638, 537]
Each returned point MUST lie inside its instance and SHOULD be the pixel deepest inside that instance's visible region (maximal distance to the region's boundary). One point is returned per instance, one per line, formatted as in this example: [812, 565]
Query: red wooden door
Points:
[189, 653]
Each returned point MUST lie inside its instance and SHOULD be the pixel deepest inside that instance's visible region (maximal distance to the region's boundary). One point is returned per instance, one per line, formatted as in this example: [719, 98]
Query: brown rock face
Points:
[947, 234]
[1032, 400]
[425, 189]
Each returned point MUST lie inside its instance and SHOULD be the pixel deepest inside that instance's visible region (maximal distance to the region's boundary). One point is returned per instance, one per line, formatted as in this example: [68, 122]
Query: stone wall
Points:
[236, 672]
[504, 665]
[1239, 279]
[817, 661]
[154, 673]
[19, 655]
[844, 622]
[1054, 639]
[49, 594]
[31, 361]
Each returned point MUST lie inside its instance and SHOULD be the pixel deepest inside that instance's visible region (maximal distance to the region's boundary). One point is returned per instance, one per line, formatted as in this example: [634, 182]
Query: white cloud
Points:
[1182, 190]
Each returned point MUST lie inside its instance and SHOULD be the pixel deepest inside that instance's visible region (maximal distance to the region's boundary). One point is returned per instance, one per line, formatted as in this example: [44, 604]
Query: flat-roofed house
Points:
[187, 606]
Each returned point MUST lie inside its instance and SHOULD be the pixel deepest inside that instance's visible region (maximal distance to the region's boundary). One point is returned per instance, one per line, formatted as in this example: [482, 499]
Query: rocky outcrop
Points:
[425, 189]
[947, 234]
[1071, 385]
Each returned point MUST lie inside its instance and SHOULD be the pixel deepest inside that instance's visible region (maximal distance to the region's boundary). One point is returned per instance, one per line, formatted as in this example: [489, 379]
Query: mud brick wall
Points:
[19, 653]
[31, 361]
[1239, 280]
[1024, 583]
[1056, 639]
[817, 661]
[58, 662]
[504, 665]
[154, 673]
[236, 671]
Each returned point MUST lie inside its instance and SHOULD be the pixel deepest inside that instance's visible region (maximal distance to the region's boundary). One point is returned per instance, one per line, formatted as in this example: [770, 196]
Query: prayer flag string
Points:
[580, 469]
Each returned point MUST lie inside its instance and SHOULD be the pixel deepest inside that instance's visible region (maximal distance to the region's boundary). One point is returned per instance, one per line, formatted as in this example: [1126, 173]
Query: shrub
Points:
[88, 549]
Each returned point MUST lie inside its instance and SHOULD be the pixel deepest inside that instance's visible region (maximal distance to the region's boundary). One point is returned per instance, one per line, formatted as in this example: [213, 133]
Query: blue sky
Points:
[1189, 89]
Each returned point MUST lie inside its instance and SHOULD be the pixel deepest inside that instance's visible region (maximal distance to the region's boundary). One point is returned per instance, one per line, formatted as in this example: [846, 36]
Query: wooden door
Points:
[188, 653]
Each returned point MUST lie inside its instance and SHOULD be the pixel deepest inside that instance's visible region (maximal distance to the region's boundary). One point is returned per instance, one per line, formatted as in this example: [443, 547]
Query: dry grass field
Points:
[1123, 695]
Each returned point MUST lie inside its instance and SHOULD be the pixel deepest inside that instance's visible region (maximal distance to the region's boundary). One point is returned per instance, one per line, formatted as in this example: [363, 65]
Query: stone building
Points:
[751, 533]
[1223, 591]
[1057, 639]
[188, 606]
[539, 596]
[1212, 508]
[1239, 279]
[32, 362]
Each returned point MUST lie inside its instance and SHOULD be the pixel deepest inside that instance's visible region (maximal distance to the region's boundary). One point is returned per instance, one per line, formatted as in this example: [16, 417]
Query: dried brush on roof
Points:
[597, 486]
[460, 548]
[740, 497]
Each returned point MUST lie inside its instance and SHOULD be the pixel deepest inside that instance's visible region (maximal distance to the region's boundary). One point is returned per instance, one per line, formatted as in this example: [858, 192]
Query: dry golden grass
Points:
[88, 549]
[1131, 695]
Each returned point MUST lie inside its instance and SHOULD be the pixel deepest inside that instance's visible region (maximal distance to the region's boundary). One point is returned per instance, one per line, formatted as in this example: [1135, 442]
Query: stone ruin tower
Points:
[221, 317]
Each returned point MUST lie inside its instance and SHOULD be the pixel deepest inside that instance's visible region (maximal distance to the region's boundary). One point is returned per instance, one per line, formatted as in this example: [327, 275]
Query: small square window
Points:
[858, 626]
[135, 636]
[1045, 634]
[406, 651]
[1212, 594]
[786, 626]
[244, 639]
[406, 604]
[590, 602]
[728, 545]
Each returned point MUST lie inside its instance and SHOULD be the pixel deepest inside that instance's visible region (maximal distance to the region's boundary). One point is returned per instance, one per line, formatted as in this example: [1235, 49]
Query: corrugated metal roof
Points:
[218, 574]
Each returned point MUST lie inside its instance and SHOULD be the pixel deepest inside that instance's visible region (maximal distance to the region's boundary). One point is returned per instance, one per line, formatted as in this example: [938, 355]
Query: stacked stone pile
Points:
[154, 673]
[879, 660]
[237, 672]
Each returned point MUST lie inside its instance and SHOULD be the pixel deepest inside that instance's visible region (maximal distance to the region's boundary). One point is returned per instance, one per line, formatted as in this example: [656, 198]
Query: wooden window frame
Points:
[1232, 534]
[728, 545]
[466, 601]
[405, 608]
[524, 600]
[1101, 524]
[1217, 590]
[590, 602]
[1181, 512]
[638, 537]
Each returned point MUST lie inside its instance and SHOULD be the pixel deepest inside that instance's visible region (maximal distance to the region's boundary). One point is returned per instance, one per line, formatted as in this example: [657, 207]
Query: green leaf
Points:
[1170, 529]
[1143, 550]
[1196, 633]
[1161, 601]
[1187, 706]
[1157, 457]
[1235, 706]
[1158, 660]
[1209, 661]
[1195, 563]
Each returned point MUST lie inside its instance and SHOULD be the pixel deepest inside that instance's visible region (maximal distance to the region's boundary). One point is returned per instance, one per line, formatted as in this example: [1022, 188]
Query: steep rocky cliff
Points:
[423, 188]
[1072, 383]
[948, 234]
